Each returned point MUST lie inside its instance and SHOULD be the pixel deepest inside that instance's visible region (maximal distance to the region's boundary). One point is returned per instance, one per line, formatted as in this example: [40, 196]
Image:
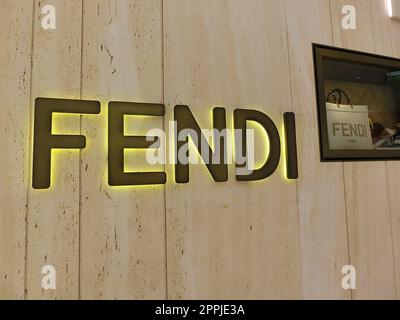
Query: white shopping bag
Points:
[348, 127]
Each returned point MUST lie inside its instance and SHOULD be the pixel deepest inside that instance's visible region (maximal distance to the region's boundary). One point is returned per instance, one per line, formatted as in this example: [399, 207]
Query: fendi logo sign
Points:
[225, 143]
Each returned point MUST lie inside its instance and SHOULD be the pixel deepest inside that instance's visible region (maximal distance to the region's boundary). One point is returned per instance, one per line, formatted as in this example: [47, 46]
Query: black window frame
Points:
[327, 155]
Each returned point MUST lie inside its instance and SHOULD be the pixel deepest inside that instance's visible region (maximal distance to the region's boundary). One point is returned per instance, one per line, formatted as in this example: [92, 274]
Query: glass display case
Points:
[358, 104]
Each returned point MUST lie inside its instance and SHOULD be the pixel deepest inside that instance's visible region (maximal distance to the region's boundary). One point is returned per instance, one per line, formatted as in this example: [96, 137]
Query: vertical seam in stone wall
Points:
[347, 224]
[391, 233]
[30, 135]
[330, 14]
[80, 159]
[164, 127]
[301, 293]
[343, 173]
[371, 19]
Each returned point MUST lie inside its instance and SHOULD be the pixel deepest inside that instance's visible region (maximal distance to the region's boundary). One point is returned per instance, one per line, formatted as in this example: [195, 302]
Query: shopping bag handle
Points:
[337, 94]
